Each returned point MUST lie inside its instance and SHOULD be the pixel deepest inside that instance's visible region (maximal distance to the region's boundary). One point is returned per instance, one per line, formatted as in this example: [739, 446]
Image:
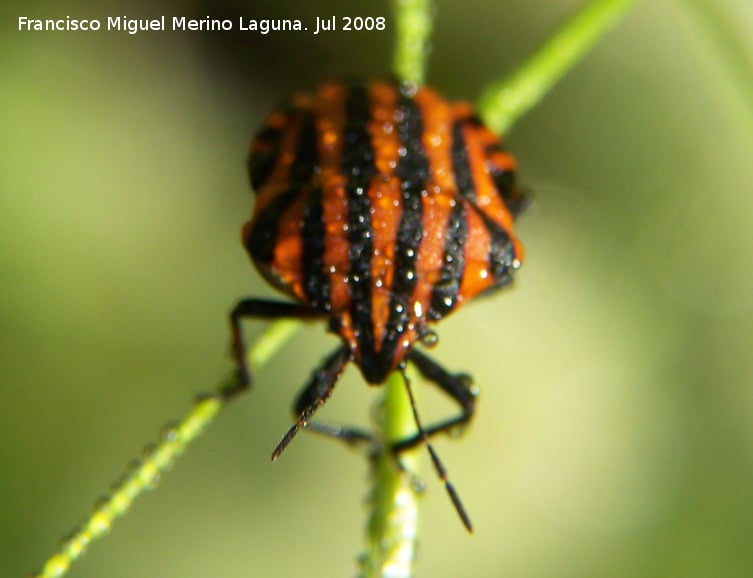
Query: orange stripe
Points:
[285, 266]
[488, 198]
[385, 196]
[439, 200]
[289, 248]
[279, 178]
[330, 121]
[477, 277]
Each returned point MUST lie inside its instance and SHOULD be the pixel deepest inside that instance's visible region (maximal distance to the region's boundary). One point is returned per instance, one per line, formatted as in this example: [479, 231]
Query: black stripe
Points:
[506, 183]
[306, 153]
[461, 164]
[358, 166]
[263, 238]
[316, 281]
[414, 171]
[262, 160]
[445, 293]
[501, 251]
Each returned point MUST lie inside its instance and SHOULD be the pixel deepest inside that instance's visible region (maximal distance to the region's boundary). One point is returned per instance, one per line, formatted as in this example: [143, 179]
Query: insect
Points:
[381, 208]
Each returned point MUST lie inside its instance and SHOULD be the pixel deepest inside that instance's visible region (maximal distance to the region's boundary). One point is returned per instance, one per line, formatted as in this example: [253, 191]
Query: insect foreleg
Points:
[257, 309]
[314, 395]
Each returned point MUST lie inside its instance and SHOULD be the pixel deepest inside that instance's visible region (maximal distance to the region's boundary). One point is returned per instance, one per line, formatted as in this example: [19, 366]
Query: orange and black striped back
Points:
[384, 208]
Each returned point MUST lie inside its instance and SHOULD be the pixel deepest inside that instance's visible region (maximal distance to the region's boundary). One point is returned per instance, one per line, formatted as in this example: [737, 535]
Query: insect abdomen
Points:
[383, 208]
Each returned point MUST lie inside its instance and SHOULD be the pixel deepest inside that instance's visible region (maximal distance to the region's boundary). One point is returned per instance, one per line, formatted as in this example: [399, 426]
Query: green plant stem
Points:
[393, 523]
[413, 21]
[144, 473]
[504, 102]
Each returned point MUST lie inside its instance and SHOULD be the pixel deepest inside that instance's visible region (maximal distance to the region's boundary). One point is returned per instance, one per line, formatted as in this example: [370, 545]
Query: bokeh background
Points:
[614, 436]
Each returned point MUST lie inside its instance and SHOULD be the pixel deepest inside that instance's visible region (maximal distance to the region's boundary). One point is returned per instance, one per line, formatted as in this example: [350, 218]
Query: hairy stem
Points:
[144, 473]
[393, 523]
[414, 24]
[504, 102]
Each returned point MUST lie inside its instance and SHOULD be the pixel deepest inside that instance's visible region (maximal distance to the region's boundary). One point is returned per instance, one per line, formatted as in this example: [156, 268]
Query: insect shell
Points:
[383, 208]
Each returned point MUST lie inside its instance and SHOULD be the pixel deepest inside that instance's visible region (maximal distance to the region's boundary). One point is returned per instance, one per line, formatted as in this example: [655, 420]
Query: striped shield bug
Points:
[380, 208]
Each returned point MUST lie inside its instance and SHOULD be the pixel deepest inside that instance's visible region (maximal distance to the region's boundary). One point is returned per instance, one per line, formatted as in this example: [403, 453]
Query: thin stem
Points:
[414, 23]
[506, 101]
[393, 524]
[144, 473]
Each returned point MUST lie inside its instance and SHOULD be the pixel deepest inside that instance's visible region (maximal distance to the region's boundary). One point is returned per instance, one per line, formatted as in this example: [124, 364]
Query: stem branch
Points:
[504, 102]
[144, 473]
[414, 23]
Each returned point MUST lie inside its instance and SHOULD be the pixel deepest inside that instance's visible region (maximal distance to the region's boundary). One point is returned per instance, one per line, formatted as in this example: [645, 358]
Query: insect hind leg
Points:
[423, 435]
[457, 385]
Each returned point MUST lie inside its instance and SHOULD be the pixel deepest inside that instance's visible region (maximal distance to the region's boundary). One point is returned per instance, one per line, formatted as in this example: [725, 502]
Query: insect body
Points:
[381, 208]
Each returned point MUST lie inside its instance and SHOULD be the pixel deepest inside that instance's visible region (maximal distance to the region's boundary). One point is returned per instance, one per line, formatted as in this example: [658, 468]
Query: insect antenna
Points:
[438, 466]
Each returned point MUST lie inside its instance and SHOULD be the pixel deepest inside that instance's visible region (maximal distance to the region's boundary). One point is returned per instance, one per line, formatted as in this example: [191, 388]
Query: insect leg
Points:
[458, 386]
[258, 309]
[423, 435]
[308, 396]
[314, 395]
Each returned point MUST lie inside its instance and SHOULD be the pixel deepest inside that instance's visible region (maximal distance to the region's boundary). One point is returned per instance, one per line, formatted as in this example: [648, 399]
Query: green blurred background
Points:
[614, 436]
